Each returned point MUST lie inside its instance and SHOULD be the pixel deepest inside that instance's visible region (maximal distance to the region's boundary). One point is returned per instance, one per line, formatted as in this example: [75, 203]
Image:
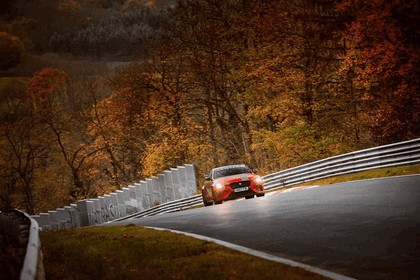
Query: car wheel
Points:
[249, 196]
[214, 199]
[260, 194]
[205, 202]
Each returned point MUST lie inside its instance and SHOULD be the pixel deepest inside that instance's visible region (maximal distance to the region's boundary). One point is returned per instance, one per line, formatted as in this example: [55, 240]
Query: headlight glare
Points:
[219, 186]
[258, 180]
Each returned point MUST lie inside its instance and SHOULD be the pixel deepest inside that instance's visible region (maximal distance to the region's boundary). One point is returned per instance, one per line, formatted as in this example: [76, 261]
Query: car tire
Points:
[249, 196]
[205, 202]
[214, 199]
[260, 194]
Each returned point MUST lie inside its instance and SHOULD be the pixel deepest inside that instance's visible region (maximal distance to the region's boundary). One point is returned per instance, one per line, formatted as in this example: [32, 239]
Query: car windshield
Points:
[229, 171]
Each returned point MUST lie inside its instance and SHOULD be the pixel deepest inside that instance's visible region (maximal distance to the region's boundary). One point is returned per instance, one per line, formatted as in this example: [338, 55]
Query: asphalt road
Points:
[363, 229]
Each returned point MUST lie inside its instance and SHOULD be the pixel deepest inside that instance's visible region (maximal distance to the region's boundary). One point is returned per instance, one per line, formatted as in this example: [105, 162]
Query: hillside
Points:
[94, 30]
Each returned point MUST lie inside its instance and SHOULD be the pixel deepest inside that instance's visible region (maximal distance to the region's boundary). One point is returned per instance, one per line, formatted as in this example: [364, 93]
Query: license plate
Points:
[241, 189]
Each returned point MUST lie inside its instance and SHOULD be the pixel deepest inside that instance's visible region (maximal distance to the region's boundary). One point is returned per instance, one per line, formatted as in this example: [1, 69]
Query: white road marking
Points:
[326, 273]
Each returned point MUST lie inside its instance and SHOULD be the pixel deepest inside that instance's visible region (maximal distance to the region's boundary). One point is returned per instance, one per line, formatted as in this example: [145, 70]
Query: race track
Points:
[363, 229]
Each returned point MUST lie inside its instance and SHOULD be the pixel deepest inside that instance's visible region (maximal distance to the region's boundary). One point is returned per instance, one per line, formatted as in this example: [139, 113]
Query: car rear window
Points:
[229, 171]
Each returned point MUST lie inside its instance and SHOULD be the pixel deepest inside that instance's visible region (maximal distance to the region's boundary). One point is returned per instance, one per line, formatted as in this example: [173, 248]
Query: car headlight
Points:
[219, 186]
[258, 180]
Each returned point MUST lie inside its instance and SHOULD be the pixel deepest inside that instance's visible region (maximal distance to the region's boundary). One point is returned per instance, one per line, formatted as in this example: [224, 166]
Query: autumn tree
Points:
[287, 80]
[45, 89]
[112, 125]
[206, 35]
[382, 50]
[259, 77]
[21, 161]
[140, 125]
[175, 137]
[49, 92]
[23, 157]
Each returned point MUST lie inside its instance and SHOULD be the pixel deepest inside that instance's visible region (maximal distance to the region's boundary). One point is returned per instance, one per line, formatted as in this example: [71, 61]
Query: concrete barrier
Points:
[173, 184]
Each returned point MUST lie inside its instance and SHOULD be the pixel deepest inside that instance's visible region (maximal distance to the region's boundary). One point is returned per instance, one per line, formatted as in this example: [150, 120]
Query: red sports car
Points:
[230, 182]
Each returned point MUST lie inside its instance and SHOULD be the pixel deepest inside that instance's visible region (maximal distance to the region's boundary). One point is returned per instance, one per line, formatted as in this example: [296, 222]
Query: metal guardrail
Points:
[33, 266]
[169, 207]
[403, 153]
[23, 229]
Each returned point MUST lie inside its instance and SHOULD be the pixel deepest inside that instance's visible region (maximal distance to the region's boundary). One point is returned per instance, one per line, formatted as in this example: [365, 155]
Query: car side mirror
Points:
[255, 170]
[207, 177]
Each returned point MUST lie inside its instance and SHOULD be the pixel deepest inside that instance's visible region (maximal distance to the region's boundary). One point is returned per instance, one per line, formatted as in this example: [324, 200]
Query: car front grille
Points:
[240, 184]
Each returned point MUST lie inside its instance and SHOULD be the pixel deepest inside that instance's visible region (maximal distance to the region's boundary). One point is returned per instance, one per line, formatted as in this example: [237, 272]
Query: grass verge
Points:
[369, 174]
[133, 252]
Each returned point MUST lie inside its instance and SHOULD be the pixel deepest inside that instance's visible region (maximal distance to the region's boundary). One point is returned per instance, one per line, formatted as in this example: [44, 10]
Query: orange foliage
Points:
[44, 85]
[382, 48]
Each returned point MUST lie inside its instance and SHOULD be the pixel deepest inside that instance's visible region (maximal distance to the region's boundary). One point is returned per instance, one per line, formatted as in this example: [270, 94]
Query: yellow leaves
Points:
[169, 151]
[158, 158]
[297, 145]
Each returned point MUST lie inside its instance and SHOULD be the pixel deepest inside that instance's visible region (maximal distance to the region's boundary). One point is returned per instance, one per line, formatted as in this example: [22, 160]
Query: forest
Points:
[98, 94]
